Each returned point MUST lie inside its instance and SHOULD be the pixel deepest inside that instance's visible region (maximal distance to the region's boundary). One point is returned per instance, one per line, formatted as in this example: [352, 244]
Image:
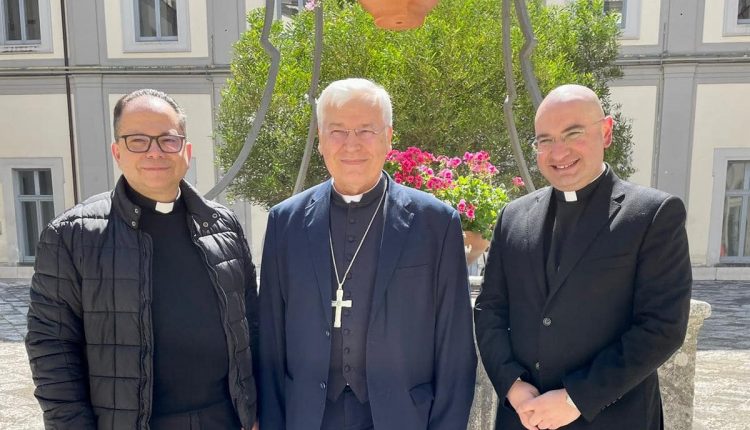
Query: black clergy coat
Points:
[420, 357]
[617, 309]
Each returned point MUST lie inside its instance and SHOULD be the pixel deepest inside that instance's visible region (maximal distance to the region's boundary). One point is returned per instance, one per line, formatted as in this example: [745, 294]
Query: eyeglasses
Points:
[544, 143]
[364, 134]
[168, 143]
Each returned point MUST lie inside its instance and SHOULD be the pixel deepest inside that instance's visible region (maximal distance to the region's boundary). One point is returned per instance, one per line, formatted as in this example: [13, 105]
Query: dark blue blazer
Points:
[421, 363]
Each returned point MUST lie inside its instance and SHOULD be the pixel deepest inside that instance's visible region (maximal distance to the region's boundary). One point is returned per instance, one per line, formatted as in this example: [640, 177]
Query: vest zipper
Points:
[224, 306]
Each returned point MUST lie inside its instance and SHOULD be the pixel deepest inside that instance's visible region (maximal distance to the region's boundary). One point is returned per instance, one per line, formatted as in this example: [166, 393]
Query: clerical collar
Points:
[147, 203]
[582, 194]
[363, 199]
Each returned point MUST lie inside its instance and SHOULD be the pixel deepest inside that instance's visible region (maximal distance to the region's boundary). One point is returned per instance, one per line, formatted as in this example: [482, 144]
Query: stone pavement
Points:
[722, 386]
[722, 369]
[19, 409]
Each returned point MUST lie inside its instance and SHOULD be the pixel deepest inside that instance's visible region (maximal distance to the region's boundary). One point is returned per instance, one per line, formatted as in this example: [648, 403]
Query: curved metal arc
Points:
[313, 128]
[510, 86]
[527, 67]
[260, 116]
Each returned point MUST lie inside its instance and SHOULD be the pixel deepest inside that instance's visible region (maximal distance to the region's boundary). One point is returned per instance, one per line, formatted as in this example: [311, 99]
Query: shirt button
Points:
[347, 331]
[349, 275]
[346, 350]
[350, 238]
[133, 223]
[347, 295]
[537, 366]
[205, 224]
[547, 322]
[347, 368]
[352, 220]
[328, 333]
[322, 385]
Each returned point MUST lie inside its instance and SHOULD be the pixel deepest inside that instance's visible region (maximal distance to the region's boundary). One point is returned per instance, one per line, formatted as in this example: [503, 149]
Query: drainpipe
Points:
[69, 100]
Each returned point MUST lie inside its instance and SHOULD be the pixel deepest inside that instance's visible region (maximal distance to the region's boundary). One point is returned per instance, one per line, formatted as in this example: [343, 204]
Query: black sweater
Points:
[190, 348]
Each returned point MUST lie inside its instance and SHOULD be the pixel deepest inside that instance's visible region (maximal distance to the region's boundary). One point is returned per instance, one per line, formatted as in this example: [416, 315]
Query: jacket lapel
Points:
[395, 231]
[603, 207]
[317, 220]
[536, 218]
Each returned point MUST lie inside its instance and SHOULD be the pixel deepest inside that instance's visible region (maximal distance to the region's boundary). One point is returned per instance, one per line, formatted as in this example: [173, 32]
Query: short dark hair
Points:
[146, 92]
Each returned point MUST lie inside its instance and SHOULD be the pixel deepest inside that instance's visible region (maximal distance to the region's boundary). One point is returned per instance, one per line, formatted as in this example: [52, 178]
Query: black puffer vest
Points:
[90, 335]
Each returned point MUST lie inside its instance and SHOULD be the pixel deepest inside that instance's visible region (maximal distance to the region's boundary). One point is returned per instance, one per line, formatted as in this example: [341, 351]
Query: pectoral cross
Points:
[338, 304]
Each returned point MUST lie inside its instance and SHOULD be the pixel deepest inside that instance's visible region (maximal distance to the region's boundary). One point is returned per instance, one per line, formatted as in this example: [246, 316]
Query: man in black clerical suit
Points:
[587, 285]
[144, 300]
[365, 317]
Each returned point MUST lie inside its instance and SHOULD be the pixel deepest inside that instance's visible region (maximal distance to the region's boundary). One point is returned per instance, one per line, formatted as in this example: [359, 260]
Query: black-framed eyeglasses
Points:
[168, 143]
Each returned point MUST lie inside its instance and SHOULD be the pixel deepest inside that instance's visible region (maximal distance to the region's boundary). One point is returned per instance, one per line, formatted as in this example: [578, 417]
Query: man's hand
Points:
[550, 410]
[520, 393]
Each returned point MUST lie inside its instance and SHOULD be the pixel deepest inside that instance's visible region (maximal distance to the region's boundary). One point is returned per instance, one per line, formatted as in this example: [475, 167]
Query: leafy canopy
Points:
[445, 78]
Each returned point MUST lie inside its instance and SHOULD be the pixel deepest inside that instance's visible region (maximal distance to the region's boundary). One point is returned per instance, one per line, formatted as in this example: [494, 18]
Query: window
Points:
[287, 8]
[616, 6]
[157, 19]
[628, 12]
[735, 230]
[737, 18]
[743, 11]
[155, 25]
[35, 208]
[25, 26]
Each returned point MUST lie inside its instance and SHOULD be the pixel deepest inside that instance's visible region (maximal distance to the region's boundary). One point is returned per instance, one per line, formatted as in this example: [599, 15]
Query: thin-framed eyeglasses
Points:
[168, 143]
[365, 134]
[544, 143]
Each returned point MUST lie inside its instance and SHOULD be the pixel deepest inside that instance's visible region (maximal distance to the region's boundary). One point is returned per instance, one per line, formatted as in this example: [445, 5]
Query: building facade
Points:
[63, 65]
[686, 87]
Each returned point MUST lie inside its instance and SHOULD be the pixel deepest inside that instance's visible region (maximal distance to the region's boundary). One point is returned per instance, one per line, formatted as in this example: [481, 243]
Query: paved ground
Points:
[722, 381]
[722, 373]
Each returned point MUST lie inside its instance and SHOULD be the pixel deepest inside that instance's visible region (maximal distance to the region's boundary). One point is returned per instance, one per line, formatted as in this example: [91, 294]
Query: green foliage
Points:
[445, 79]
[491, 200]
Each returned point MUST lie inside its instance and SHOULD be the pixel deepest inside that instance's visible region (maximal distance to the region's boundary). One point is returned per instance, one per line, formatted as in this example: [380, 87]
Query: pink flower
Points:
[518, 182]
[492, 170]
[482, 156]
[310, 4]
[432, 183]
[446, 174]
[418, 181]
[470, 213]
[461, 206]
[453, 162]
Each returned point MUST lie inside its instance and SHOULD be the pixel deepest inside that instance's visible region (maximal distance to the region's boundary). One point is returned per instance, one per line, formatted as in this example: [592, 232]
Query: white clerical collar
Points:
[355, 198]
[166, 208]
[572, 196]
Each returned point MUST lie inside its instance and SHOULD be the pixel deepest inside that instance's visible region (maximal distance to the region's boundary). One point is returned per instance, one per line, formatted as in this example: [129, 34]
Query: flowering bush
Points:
[468, 184]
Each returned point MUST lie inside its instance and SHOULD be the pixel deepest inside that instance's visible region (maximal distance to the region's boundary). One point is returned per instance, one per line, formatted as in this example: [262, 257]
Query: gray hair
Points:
[146, 92]
[338, 93]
